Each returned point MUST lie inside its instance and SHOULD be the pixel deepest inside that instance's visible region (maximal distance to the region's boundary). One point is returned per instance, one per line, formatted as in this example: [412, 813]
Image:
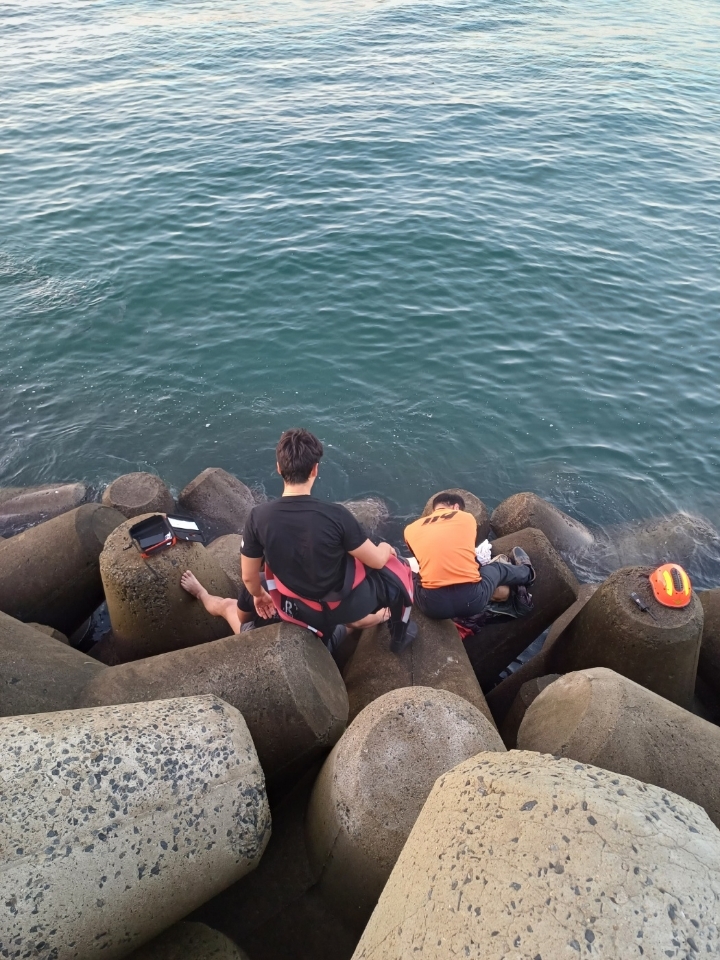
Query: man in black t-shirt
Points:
[308, 545]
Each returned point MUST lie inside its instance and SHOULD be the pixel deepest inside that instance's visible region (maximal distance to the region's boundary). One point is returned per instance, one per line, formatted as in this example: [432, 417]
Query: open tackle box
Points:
[159, 532]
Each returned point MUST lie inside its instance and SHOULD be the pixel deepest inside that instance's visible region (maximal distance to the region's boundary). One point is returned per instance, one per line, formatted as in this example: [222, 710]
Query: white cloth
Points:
[483, 552]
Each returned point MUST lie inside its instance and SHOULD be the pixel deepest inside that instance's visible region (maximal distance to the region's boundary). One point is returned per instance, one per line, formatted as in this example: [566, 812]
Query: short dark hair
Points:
[448, 500]
[297, 453]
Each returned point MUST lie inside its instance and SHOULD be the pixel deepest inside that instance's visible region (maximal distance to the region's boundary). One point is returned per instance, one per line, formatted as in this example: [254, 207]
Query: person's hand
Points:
[264, 606]
[389, 550]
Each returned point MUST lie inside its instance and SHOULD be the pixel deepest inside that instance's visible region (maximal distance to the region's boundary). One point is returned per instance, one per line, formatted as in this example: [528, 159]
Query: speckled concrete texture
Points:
[658, 651]
[50, 574]
[473, 505]
[527, 694]
[118, 821]
[218, 500]
[501, 698]
[50, 632]
[554, 590]
[709, 663]
[374, 784]
[523, 510]
[521, 856]
[189, 941]
[436, 658]
[38, 673]
[281, 678]
[226, 550]
[597, 716]
[134, 494]
[149, 611]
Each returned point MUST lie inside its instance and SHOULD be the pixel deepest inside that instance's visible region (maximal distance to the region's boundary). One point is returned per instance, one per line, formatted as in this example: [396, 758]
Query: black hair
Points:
[297, 453]
[448, 500]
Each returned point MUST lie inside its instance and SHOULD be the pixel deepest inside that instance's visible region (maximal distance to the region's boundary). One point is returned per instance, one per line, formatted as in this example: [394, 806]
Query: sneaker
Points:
[521, 559]
[401, 635]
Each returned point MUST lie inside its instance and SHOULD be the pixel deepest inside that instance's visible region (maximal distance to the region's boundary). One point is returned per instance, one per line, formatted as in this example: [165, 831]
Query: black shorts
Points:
[366, 598]
[247, 605]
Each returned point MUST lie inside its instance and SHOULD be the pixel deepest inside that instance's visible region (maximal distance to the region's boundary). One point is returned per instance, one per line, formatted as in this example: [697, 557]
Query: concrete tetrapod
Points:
[374, 783]
[38, 673]
[226, 550]
[117, 822]
[473, 505]
[134, 494]
[658, 650]
[219, 500]
[520, 855]
[50, 574]
[370, 513]
[523, 510]
[276, 911]
[149, 611]
[709, 663]
[189, 941]
[554, 590]
[436, 658]
[502, 697]
[281, 678]
[527, 694]
[597, 716]
[21, 507]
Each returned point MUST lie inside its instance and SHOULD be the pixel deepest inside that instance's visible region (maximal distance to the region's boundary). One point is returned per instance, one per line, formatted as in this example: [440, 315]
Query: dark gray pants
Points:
[469, 599]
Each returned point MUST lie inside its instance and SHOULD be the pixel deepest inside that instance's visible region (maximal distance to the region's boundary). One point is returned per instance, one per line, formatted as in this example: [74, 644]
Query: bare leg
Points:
[371, 620]
[215, 606]
[501, 593]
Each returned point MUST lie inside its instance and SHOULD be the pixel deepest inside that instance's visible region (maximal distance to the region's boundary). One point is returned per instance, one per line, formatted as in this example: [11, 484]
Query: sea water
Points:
[467, 243]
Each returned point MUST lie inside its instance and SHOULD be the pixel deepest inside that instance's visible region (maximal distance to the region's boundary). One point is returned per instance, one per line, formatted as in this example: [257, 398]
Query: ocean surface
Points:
[468, 243]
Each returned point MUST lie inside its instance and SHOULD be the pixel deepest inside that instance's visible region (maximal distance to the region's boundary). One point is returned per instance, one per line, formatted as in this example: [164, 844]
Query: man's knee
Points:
[501, 594]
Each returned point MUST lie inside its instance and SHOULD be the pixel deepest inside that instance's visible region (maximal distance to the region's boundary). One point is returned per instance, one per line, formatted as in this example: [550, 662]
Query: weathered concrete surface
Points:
[597, 716]
[149, 611]
[38, 673]
[281, 678]
[275, 912]
[134, 494]
[21, 507]
[51, 574]
[436, 658]
[518, 855]
[226, 550]
[371, 513]
[118, 821]
[554, 590]
[659, 652]
[524, 510]
[473, 505]
[374, 784]
[219, 500]
[50, 632]
[189, 941]
[527, 694]
[501, 698]
[709, 662]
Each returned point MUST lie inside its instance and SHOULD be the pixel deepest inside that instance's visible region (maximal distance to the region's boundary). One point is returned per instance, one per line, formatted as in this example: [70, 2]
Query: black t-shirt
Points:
[305, 541]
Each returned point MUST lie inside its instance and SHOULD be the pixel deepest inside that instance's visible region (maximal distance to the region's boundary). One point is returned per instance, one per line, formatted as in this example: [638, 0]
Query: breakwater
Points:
[168, 789]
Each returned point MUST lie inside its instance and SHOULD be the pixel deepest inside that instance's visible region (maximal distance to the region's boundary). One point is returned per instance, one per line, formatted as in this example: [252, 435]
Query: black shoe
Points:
[401, 635]
[521, 559]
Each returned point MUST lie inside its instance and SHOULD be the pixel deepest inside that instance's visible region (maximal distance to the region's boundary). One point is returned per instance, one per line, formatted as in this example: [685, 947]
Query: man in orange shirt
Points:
[451, 582]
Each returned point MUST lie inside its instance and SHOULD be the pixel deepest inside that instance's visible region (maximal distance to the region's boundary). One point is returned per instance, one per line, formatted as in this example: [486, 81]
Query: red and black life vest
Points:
[355, 573]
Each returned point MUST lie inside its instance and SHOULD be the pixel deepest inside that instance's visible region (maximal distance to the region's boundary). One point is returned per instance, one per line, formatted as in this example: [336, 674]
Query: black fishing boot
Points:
[401, 634]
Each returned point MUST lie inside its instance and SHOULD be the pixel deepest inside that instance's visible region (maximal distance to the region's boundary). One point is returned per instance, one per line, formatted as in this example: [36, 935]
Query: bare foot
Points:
[189, 582]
